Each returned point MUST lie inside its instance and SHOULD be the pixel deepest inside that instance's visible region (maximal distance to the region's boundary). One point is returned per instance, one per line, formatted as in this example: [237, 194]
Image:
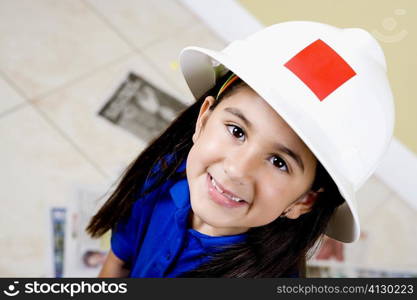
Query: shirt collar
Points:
[180, 191]
[216, 242]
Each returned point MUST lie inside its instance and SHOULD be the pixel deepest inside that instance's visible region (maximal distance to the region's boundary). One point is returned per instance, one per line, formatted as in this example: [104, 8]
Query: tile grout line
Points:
[140, 50]
[18, 90]
[32, 100]
[67, 84]
[130, 44]
[13, 108]
[161, 72]
[126, 39]
[108, 23]
[58, 130]
[156, 67]
[69, 140]
[77, 79]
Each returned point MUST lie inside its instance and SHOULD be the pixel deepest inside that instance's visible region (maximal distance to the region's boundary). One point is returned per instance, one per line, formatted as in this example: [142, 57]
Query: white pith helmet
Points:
[329, 84]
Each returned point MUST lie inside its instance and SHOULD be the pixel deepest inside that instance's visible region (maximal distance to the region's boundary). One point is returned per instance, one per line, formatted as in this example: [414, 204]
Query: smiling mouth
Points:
[224, 192]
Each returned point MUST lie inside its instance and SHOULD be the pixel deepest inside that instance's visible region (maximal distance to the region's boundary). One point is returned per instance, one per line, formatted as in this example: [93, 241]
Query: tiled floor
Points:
[59, 63]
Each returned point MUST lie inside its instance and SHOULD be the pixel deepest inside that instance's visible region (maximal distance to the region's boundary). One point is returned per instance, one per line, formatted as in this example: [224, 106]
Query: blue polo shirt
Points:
[156, 240]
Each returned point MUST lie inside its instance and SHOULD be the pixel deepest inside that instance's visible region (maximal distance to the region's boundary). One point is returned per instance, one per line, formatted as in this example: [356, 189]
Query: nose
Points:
[239, 166]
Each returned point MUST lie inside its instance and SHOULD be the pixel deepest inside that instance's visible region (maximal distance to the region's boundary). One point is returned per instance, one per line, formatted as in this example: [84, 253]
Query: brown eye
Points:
[236, 131]
[279, 163]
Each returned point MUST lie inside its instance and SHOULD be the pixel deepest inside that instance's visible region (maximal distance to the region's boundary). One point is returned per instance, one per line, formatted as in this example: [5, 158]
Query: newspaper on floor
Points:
[84, 256]
[141, 108]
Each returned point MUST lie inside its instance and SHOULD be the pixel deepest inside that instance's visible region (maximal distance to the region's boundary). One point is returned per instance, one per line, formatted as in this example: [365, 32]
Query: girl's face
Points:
[246, 167]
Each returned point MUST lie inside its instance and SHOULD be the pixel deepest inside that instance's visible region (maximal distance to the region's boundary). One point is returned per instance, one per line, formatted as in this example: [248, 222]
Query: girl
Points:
[288, 124]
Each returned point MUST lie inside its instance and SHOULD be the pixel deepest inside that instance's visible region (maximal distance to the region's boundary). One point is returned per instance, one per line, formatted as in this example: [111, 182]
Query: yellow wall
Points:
[393, 23]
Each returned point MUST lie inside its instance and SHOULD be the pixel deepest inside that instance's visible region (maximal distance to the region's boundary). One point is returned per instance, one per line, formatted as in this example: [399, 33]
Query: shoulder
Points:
[173, 186]
[157, 169]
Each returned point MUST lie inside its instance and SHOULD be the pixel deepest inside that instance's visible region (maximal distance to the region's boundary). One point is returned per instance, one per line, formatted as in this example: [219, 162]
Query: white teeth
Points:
[235, 199]
[215, 185]
[223, 193]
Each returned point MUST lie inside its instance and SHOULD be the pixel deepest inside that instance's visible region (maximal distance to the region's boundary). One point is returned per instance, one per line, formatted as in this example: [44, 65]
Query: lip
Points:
[221, 199]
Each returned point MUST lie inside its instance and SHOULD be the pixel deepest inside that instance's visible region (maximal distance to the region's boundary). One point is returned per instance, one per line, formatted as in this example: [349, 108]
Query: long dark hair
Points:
[271, 250]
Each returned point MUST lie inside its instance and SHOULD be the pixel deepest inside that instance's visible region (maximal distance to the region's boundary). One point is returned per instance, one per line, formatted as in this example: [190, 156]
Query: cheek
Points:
[209, 146]
[271, 201]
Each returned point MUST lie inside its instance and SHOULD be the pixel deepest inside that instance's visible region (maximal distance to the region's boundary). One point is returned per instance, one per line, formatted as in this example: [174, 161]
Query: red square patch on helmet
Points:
[320, 68]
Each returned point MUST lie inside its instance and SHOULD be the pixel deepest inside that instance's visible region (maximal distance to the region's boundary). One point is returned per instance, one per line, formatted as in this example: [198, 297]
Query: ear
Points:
[302, 205]
[202, 116]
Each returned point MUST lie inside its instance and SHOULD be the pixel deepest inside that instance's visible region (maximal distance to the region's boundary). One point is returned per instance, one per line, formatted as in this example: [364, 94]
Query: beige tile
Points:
[164, 54]
[74, 110]
[143, 22]
[8, 96]
[392, 232]
[45, 45]
[39, 169]
[373, 194]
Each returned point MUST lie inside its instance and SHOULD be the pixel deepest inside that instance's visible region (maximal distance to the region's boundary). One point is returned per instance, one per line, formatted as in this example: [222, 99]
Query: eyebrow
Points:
[239, 114]
[278, 146]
